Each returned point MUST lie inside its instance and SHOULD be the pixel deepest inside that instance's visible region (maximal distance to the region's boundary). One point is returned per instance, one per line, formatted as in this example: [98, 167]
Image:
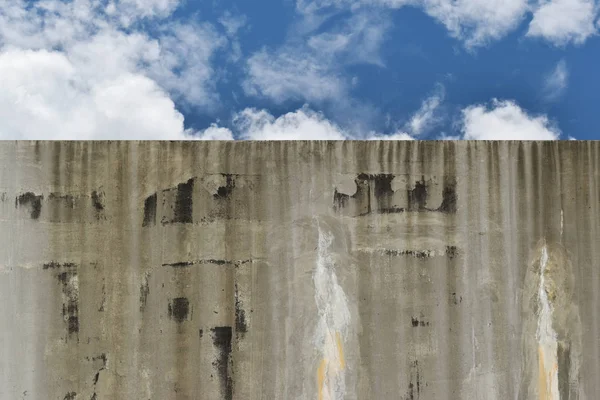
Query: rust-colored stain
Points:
[546, 379]
[340, 347]
[321, 377]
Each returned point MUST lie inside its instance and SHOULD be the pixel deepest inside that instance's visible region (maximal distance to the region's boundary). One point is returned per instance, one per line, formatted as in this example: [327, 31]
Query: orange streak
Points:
[321, 377]
[542, 377]
[340, 347]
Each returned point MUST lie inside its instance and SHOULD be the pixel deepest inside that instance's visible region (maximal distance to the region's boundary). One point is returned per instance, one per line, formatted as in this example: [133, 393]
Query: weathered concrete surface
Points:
[300, 270]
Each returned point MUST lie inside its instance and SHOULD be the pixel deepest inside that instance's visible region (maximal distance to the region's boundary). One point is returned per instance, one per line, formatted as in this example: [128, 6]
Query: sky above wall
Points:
[299, 69]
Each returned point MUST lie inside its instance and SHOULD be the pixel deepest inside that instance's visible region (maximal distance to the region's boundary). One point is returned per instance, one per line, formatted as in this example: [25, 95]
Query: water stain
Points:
[222, 336]
[224, 192]
[241, 327]
[32, 201]
[150, 210]
[179, 309]
[98, 204]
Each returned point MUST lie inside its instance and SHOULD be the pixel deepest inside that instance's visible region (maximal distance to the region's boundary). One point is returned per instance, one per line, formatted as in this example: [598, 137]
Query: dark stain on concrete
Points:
[70, 396]
[150, 210]
[224, 192]
[70, 308]
[421, 254]
[183, 264]
[144, 292]
[32, 201]
[241, 327]
[183, 212]
[98, 204]
[415, 384]
[66, 199]
[451, 252]
[179, 309]
[419, 321]
[55, 265]
[200, 333]
[222, 341]
[417, 197]
[449, 198]
[374, 194]
[564, 366]
[455, 299]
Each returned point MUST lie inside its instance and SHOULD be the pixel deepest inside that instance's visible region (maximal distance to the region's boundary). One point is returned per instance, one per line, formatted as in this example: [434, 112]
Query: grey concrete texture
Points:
[300, 270]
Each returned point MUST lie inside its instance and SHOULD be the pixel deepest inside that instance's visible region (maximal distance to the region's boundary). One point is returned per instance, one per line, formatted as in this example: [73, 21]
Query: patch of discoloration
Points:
[182, 204]
[144, 291]
[32, 201]
[552, 328]
[415, 384]
[98, 204]
[334, 321]
[224, 192]
[70, 396]
[388, 193]
[240, 315]
[150, 210]
[179, 309]
[222, 336]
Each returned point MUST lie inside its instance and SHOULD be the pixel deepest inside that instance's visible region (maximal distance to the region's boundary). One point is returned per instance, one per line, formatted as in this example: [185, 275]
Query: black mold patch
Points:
[144, 292]
[449, 199]
[417, 197]
[421, 254]
[70, 396]
[184, 203]
[451, 252]
[419, 321]
[55, 265]
[200, 333]
[455, 299]
[179, 309]
[98, 203]
[150, 210]
[414, 385]
[222, 341]
[224, 192]
[70, 291]
[183, 264]
[241, 326]
[66, 199]
[31, 200]
[564, 365]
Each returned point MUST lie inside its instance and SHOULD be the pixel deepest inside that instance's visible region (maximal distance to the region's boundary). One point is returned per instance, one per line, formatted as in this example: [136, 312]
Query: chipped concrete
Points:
[300, 270]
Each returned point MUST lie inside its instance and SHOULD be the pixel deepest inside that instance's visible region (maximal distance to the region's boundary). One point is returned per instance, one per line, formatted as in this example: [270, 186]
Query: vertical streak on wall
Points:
[547, 341]
[334, 320]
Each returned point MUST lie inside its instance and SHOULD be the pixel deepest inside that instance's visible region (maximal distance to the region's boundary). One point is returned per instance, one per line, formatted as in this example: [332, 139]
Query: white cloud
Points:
[291, 74]
[311, 66]
[477, 22]
[556, 82]
[505, 120]
[564, 21]
[45, 97]
[303, 124]
[425, 118]
[104, 76]
[233, 22]
[213, 132]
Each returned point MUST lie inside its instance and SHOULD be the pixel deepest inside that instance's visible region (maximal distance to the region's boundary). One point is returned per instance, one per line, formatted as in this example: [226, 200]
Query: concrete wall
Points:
[300, 270]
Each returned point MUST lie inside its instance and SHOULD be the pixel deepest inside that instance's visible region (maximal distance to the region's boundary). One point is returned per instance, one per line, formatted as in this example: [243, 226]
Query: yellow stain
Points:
[321, 377]
[542, 377]
[340, 347]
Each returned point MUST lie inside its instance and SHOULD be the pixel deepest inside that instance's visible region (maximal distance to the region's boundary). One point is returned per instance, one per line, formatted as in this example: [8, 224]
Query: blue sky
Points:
[299, 69]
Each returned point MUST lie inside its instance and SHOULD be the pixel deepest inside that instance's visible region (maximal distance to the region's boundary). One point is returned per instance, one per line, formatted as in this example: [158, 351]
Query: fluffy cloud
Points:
[478, 22]
[88, 71]
[45, 97]
[303, 124]
[556, 82]
[564, 21]
[505, 120]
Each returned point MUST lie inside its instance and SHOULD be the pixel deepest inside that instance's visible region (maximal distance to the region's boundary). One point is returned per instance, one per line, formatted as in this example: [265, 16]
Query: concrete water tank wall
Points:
[300, 270]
